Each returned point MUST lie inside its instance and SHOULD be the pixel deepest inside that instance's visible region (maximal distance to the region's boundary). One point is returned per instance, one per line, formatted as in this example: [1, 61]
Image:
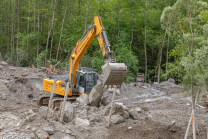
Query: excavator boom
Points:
[114, 73]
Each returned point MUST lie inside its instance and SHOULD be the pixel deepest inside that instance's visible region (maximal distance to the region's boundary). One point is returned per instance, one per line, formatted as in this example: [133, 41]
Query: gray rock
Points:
[83, 99]
[30, 111]
[68, 112]
[3, 97]
[3, 63]
[43, 111]
[96, 95]
[82, 113]
[67, 131]
[92, 110]
[133, 114]
[138, 109]
[67, 137]
[94, 118]
[106, 100]
[31, 117]
[126, 115]
[41, 134]
[117, 109]
[81, 122]
[116, 119]
[49, 130]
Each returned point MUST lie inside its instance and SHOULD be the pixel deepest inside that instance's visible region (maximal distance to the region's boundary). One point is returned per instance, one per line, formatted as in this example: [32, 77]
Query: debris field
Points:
[147, 112]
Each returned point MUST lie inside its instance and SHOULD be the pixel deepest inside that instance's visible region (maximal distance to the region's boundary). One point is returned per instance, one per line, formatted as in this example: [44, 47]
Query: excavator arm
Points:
[95, 30]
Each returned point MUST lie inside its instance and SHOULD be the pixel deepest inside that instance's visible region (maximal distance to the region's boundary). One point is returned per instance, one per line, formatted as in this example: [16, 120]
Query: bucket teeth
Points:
[114, 74]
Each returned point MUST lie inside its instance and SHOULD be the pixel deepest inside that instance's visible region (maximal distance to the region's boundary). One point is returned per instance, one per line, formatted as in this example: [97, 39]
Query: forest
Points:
[161, 38]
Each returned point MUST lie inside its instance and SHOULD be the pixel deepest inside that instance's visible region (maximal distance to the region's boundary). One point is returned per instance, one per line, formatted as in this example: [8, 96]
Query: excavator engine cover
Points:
[114, 74]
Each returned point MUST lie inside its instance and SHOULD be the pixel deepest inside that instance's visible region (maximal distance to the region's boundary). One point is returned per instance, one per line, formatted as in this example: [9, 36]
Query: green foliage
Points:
[126, 56]
[40, 58]
[97, 63]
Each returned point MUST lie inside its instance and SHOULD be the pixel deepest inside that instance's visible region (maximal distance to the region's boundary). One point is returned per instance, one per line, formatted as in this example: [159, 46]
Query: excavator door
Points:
[86, 80]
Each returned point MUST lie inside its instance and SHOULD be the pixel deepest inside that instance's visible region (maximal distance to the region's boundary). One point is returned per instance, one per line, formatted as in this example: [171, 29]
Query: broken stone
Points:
[67, 131]
[3, 63]
[116, 119]
[96, 94]
[43, 111]
[83, 99]
[68, 112]
[133, 114]
[24, 74]
[41, 134]
[67, 137]
[30, 111]
[49, 130]
[118, 108]
[126, 115]
[31, 117]
[138, 109]
[81, 122]
[129, 128]
[106, 100]
[3, 97]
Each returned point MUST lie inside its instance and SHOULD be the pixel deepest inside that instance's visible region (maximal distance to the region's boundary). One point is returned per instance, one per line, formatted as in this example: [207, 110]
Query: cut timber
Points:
[109, 118]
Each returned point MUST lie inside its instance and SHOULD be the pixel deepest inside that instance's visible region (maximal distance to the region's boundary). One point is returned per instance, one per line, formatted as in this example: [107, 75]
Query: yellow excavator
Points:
[82, 80]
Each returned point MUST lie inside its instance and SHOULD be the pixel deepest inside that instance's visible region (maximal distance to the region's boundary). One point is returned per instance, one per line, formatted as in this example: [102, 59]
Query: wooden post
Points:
[50, 101]
[109, 118]
[63, 106]
[187, 130]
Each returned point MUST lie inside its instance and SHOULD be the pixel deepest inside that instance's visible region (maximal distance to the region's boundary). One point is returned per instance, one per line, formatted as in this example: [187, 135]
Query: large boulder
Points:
[43, 111]
[83, 99]
[118, 109]
[68, 112]
[96, 95]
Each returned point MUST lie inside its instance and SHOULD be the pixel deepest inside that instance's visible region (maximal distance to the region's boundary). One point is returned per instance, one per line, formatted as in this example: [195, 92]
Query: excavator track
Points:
[43, 100]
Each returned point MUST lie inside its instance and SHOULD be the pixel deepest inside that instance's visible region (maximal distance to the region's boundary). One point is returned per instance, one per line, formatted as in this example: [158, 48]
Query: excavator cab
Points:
[86, 79]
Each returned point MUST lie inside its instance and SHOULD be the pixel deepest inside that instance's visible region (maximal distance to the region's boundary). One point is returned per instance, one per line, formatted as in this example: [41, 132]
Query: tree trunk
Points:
[62, 26]
[168, 48]
[118, 16]
[28, 26]
[49, 32]
[71, 15]
[132, 24]
[2, 22]
[18, 21]
[12, 29]
[34, 16]
[51, 45]
[87, 14]
[38, 29]
[145, 49]
[158, 80]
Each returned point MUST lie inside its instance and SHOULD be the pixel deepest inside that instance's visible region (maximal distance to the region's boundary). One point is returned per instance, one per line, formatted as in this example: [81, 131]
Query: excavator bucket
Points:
[114, 74]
